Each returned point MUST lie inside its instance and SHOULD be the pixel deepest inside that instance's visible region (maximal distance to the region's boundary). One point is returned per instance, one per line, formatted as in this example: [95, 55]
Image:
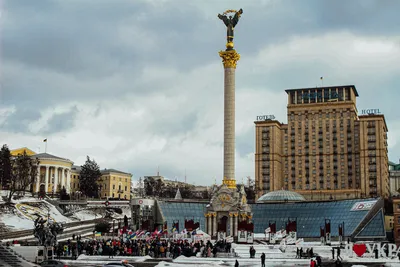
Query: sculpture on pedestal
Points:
[230, 23]
[46, 233]
[228, 210]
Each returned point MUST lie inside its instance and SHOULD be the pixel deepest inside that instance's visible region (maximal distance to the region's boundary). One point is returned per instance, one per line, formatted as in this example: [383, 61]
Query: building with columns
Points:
[54, 173]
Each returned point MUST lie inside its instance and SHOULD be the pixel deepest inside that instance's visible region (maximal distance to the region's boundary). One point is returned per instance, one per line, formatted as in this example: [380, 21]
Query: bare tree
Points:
[24, 174]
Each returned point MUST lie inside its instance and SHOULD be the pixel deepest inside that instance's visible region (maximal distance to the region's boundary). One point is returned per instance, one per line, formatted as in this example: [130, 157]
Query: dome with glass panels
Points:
[281, 196]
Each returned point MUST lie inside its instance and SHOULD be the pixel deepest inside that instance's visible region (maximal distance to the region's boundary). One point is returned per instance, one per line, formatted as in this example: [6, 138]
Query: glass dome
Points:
[281, 196]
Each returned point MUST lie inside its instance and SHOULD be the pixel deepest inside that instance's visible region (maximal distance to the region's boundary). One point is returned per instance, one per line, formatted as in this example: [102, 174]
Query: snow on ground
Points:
[20, 213]
[85, 215]
[16, 222]
[54, 213]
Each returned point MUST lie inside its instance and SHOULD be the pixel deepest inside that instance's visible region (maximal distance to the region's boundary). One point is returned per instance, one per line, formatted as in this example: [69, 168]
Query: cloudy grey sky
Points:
[139, 84]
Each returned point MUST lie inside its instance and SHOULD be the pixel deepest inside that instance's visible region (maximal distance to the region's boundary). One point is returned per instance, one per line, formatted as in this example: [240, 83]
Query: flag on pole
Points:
[322, 78]
[45, 140]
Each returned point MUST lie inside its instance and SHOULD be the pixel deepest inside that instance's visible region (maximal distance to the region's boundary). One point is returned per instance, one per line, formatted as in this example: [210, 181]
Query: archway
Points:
[222, 224]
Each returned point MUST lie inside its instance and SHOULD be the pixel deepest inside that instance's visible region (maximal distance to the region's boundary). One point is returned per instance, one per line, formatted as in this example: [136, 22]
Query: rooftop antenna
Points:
[185, 177]
[322, 81]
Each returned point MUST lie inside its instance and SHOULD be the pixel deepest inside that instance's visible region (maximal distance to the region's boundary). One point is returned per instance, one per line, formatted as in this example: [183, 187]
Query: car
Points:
[52, 263]
[118, 264]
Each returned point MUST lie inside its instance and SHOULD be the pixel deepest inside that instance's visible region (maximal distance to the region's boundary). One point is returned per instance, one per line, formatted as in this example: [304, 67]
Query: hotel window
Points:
[113, 186]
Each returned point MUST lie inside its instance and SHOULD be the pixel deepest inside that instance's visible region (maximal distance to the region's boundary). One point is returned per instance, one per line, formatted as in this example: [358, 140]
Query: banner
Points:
[250, 238]
[364, 205]
[328, 239]
[272, 238]
[221, 236]
[242, 236]
[293, 235]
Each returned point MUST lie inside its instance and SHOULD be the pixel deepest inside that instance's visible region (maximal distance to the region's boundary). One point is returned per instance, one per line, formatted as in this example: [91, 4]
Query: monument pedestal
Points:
[228, 209]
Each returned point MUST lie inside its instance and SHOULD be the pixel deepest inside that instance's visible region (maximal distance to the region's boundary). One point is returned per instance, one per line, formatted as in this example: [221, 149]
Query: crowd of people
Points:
[156, 248]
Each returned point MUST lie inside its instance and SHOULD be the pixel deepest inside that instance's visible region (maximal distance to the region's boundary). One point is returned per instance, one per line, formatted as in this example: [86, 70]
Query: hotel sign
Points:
[265, 117]
[365, 205]
[370, 111]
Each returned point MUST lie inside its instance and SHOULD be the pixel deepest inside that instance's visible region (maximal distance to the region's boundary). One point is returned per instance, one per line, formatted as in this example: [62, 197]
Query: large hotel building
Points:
[326, 150]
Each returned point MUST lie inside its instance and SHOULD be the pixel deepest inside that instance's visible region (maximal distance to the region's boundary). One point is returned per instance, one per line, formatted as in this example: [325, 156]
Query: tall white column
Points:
[209, 228]
[229, 59]
[215, 224]
[38, 180]
[62, 178]
[47, 179]
[55, 179]
[236, 224]
[68, 181]
[230, 224]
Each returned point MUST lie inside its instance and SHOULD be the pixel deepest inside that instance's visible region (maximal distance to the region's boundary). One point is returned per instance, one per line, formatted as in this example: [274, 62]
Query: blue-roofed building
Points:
[363, 218]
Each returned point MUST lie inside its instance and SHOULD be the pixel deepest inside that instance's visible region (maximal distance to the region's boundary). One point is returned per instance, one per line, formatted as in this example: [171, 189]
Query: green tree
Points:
[89, 175]
[24, 170]
[5, 167]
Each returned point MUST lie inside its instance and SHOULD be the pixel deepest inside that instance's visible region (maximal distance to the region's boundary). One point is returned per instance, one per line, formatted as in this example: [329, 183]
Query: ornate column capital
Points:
[230, 214]
[229, 58]
[235, 214]
[230, 183]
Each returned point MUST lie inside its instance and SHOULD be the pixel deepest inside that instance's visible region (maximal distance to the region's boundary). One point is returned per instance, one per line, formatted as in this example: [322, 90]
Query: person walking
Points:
[263, 259]
[319, 261]
[236, 263]
[338, 254]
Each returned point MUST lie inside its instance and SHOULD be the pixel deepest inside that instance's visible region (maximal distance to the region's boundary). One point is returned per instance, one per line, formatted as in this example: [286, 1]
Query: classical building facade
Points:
[112, 183]
[54, 173]
[326, 150]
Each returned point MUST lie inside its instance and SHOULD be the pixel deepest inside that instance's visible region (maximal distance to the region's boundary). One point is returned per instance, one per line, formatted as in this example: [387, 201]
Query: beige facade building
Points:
[54, 173]
[326, 150]
[112, 183]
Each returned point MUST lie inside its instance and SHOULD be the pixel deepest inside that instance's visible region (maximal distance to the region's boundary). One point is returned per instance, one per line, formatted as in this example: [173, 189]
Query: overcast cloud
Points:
[139, 84]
